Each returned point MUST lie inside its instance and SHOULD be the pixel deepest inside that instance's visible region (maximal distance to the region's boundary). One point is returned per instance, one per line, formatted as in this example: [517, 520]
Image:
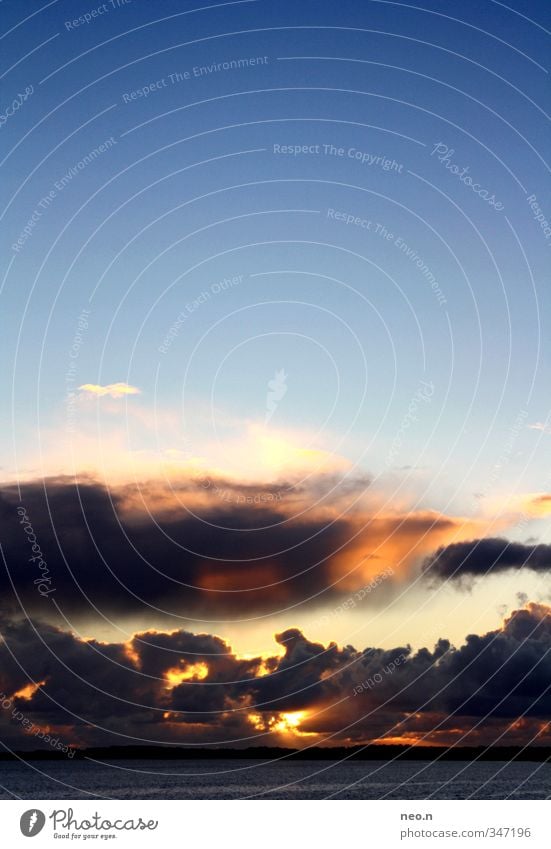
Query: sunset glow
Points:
[191, 672]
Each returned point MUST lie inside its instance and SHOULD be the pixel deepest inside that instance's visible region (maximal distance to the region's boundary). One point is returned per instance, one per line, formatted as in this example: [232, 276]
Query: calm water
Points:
[279, 780]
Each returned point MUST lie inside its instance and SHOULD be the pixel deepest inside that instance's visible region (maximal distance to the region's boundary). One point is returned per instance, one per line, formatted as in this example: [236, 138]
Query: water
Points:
[236, 779]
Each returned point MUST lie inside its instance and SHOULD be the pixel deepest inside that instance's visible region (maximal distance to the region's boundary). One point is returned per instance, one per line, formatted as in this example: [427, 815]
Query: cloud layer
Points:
[82, 553]
[185, 688]
[201, 547]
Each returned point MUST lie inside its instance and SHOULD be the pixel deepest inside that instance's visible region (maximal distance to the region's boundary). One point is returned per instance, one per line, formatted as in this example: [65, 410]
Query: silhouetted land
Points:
[266, 753]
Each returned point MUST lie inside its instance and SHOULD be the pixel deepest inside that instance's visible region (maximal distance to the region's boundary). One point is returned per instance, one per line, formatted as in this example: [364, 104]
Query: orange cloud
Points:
[537, 505]
[190, 672]
[28, 691]
[396, 542]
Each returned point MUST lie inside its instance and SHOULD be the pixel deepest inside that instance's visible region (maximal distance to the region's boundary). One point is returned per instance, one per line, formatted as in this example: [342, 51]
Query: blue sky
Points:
[197, 165]
[341, 196]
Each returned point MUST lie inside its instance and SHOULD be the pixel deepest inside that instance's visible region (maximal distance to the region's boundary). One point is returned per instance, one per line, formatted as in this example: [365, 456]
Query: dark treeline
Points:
[316, 753]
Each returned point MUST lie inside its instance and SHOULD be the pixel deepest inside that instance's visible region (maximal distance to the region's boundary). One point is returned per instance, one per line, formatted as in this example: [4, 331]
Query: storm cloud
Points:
[184, 688]
[192, 551]
[468, 560]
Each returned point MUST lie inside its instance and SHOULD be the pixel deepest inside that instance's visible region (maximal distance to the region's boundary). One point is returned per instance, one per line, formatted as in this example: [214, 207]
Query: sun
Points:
[287, 723]
[290, 721]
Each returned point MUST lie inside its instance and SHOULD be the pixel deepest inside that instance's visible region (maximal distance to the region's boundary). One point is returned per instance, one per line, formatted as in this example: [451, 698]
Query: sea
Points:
[281, 779]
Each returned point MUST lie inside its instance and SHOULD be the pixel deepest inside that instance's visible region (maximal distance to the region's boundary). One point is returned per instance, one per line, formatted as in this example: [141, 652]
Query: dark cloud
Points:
[485, 556]
[102, 552]
[92, 547]
[187, 551]
[500, 680]
[181, 687]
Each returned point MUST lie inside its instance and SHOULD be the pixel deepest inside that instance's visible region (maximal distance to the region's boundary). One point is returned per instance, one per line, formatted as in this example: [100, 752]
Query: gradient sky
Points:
[270, 329]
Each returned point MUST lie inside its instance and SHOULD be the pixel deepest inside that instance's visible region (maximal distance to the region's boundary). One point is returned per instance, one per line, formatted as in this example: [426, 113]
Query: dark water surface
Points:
[231, 779]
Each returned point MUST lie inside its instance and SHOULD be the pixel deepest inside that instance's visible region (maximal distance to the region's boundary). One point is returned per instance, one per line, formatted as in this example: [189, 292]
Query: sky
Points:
[274, 315]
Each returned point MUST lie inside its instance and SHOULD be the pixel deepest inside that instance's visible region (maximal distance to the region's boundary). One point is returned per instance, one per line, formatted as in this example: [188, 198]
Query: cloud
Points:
[545, 428]
[484, 557]
[188, 549]
[537, 505]
[181, 687]
[113, 390]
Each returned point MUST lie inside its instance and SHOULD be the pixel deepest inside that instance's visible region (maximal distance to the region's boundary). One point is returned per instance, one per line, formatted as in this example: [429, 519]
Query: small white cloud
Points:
[540, 426]
[113, 390]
